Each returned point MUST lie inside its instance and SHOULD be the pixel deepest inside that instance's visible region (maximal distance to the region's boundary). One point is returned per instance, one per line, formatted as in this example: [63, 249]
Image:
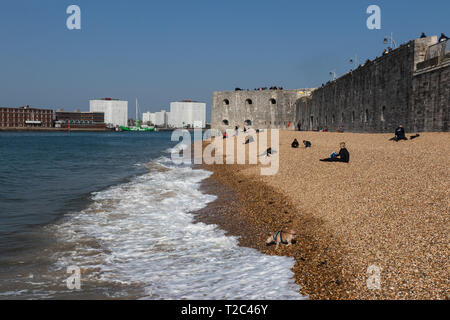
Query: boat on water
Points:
[138, 126]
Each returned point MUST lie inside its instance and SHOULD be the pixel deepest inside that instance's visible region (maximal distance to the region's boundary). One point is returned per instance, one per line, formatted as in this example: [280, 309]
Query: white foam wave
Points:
[142, 233]
[176, 149]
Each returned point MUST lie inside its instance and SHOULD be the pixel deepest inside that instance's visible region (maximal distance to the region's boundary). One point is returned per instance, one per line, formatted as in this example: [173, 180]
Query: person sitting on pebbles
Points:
[342, 156]
[399, 134]
[307, 144]
[295, 144]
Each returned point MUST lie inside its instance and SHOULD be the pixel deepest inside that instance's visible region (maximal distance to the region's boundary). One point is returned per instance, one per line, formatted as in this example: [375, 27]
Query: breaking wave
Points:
[142, 234]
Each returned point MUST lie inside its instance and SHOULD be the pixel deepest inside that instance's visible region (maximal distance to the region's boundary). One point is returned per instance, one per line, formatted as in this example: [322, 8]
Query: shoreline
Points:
[390, 210]
[53, 130]
[317, 268]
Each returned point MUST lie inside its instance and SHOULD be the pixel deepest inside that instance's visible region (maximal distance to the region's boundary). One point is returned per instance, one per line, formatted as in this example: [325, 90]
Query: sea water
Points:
[116, 207]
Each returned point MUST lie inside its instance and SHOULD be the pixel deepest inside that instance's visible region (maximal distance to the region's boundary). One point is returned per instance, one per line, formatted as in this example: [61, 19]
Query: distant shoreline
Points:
[53, 130]
[78, 130]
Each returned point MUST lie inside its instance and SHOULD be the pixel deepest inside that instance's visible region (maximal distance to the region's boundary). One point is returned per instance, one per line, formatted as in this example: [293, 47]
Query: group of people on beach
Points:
[342, 156]
[296, 145]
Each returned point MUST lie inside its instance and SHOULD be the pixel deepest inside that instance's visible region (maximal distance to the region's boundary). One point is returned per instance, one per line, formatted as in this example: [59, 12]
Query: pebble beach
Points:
[387, 209]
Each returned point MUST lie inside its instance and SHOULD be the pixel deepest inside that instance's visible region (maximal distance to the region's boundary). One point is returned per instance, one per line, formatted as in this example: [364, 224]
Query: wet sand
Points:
[389, 208]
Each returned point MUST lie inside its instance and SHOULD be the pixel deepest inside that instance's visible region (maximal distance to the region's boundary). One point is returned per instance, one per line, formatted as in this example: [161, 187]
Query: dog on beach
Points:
[281, 237]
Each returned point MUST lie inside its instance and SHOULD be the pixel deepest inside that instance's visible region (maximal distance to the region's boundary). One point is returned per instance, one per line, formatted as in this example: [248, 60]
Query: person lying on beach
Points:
[307, 144]
[342, 156]
[295, 144]
[414, 137]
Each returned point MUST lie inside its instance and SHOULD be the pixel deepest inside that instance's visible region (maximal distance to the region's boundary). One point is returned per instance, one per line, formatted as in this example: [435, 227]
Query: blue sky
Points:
[162, 51]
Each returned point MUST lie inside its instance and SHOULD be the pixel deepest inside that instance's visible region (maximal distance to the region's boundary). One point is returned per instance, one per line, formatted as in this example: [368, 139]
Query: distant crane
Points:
[138, 122]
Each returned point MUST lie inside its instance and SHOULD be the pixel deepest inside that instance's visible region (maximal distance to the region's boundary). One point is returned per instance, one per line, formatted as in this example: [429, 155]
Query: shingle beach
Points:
[388, 208]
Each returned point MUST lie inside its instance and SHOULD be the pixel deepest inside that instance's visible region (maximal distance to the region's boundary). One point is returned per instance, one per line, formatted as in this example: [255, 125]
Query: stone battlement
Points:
[409, 86]
[258, 109]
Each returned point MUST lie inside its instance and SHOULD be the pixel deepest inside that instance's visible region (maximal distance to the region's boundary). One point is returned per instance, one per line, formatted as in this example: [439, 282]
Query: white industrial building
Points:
[159, 119]
[116, 111]
[187, 114]
[149, 117]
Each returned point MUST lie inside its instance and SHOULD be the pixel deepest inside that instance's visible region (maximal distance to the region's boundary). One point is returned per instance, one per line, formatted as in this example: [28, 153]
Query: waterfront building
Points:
[161, 118]
[115, 111]
[26, 117]
[77, 119]
[187, 114]
[149, 117]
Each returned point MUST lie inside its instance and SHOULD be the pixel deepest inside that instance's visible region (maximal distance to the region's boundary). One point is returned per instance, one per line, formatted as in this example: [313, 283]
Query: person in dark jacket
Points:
[295, 144]
[343, 156]
[443, 37]
[307, 144]
[400, 133]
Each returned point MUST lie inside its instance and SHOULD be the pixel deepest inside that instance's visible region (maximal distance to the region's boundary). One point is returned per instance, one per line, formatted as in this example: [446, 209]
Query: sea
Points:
[109, 215]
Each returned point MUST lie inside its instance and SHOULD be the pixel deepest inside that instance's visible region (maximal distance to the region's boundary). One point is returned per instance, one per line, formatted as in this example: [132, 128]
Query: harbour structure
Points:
[115, 111]
[187, 114]
[26, 117]
[409, 85]
[273, 109]
[77, 119]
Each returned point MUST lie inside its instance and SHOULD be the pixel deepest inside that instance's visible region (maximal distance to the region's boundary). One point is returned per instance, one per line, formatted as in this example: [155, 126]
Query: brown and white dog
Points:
[281, 237]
